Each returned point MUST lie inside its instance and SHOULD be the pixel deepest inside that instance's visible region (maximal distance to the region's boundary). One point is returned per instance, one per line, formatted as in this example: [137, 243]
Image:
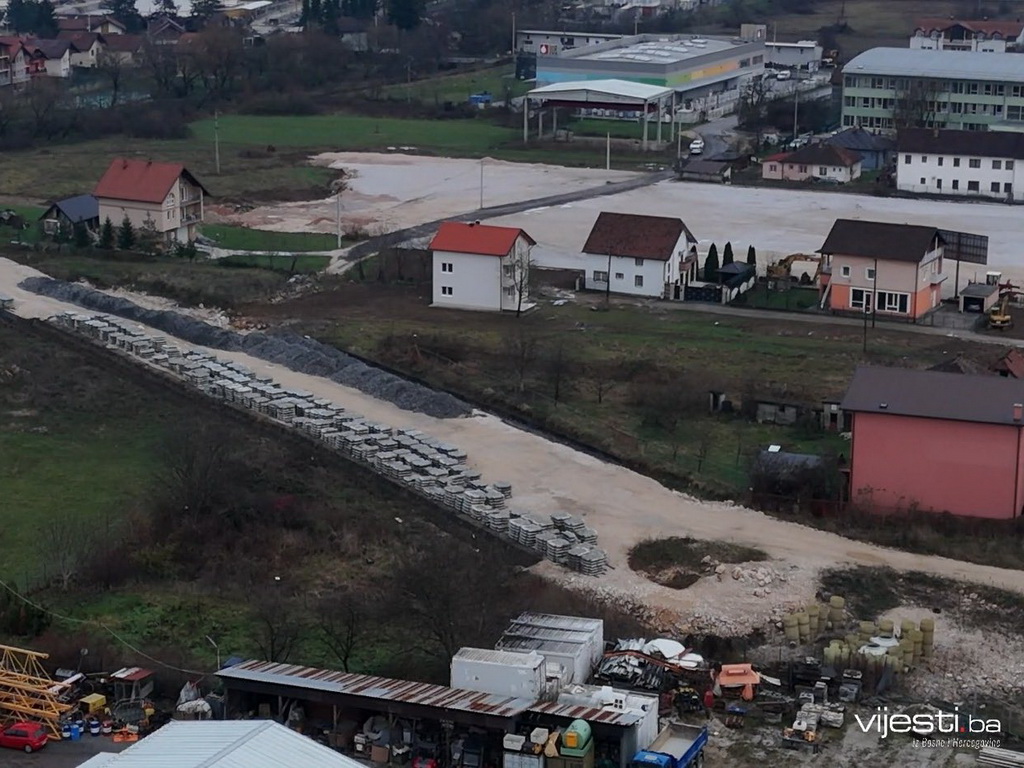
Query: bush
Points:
[281, 104]
[158, 123]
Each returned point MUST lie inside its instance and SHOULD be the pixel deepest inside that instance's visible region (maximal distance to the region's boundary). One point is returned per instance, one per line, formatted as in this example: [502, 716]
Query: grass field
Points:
[246, 239]
[458, 87]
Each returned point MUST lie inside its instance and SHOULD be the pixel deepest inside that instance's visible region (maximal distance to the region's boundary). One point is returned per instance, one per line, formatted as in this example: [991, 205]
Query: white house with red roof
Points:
[164, 195]
[477, 266]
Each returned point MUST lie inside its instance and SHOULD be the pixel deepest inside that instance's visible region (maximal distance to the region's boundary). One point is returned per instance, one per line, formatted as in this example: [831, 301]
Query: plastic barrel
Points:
[837, 602]
[94, 728]
[927, 625]
[906, 626]
[65, 731]
[76, 732]
[886, 627]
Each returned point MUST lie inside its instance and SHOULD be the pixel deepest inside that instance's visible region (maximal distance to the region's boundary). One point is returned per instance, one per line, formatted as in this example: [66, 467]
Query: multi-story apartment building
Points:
[953, 35]
[892, 88]
[961, 163]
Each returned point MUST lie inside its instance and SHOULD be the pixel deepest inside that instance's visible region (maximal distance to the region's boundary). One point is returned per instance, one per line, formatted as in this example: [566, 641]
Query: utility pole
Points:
[216, 140]
[481, 183]
[796, 110]
[608, 283]
[337, 214]
[608, 152]
[514, 46]
[874, 298]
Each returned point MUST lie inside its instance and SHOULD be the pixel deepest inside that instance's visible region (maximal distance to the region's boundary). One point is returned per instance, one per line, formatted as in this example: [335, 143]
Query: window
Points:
[849, 101]
[803, 169]
[773, 168]
[994, 186]
[845, 270]
[1017, 91]
[869, 273]
[939, 160]
[446, 290]
[938, 183]
[638, 262]
[447, 266]
[822, 170]
[600, 277]
[924, 158]
[997, 165]
[638, 281]
[1015, 113]
[860, 299]
[892, 302]
[922, 181]
[1008, 188]
[509, 270]
[956, 183]
[1009, 165]
[619, 276]
[973, 186]
[906, 159]
[974, 163]
[956, 162]
[510, 291]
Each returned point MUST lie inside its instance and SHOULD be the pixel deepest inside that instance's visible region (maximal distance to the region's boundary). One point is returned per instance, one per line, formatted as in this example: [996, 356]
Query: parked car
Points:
[697, 146]
[26, 736]
[784, 74]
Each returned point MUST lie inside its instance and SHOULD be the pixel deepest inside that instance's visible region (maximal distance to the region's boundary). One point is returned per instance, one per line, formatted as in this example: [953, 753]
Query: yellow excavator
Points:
[999, 317]
[783, 268]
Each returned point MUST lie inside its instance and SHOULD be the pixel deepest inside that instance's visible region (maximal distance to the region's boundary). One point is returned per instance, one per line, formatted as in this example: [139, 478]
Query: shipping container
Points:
[506, 673]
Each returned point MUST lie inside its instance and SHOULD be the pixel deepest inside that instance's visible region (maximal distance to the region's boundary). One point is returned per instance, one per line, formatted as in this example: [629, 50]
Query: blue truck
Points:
[678, 746]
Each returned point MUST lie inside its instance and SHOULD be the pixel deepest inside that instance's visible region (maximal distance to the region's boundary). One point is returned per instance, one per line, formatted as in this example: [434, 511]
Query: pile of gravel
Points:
[294, 352]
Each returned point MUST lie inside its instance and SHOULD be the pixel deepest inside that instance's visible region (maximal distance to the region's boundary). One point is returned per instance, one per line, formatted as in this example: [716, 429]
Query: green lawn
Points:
[794, 299]
[292, 263]
[458, 87]
[246, 239]
[354, 132]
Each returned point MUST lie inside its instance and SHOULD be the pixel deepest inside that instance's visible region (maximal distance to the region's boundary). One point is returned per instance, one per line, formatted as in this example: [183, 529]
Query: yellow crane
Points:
[27, 692]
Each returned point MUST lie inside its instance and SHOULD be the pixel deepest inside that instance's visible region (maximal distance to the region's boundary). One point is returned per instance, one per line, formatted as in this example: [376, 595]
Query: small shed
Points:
[978, 297]
[63, 215]
[718, 172]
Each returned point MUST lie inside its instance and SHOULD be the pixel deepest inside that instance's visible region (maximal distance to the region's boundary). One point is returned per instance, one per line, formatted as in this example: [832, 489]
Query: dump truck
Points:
[678, 746]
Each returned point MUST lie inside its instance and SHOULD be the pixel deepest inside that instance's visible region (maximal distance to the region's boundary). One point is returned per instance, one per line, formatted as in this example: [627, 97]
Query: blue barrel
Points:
[94, 728]
[65, 731]
[76, 732]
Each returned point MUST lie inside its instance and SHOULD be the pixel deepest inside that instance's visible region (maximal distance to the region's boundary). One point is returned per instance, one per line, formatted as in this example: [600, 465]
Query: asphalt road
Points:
[60, 754]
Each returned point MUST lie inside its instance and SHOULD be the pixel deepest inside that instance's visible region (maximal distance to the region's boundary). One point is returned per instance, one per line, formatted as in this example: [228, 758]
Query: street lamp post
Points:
[215, 648]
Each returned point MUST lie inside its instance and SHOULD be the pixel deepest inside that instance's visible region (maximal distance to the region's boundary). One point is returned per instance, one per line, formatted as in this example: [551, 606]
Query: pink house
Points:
[941, 442]
[815, 162]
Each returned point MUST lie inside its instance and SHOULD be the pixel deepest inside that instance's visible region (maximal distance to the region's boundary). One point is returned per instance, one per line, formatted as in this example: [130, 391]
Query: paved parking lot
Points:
[63, 754]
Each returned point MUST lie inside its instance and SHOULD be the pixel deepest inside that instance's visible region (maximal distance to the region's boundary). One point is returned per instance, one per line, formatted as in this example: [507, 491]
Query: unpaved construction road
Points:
[621, 505]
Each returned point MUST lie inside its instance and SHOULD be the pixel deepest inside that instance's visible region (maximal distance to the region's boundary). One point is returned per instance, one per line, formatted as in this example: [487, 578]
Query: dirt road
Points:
[623, 506]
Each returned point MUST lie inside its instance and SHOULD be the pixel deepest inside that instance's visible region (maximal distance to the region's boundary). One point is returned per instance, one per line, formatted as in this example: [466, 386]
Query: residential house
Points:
[62, 216]
[942, 442]
[51, 58]
[698, 169]
[1010, 365]
[127, 48]
[165, 196]
[890, 88]
[478, 266]
[885, 269]
[815, 162]
[13, 62]
[876, 151]
[164, 30]
[104, 24]
[965, 163]
[953, 35]
[86, 47]
[639, 255]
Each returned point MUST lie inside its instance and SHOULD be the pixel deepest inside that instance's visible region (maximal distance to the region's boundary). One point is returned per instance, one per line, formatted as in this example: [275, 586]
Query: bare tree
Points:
[66, 545]
[915, 105]
[521, 265]
[45, 99]
[279, 623]
[521, 348]
[343, 621]
[190, 478]
[113, 67]
[559, 366]
[753, 106]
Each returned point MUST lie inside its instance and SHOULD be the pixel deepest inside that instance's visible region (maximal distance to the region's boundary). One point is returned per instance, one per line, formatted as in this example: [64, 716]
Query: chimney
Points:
[1018, 411]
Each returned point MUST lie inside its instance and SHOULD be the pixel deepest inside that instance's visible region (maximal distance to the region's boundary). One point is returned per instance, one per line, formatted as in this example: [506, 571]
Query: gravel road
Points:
[623, 506]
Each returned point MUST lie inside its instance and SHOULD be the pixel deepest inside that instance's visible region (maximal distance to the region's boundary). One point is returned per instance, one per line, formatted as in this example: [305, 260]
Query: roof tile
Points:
[140, 180]
[635, 236]
[483, 239]
[879, 240]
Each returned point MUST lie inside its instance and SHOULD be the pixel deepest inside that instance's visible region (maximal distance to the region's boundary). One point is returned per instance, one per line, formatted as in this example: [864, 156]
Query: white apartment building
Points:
[477, 266]
[952, 35]
[636, 255]
[961, 163]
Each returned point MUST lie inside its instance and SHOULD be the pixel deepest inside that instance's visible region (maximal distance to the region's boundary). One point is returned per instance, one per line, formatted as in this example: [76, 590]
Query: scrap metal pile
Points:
[653, 665]
[407, 457]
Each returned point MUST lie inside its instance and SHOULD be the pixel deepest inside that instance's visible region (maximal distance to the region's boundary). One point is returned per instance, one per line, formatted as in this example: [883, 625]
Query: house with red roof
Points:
[968, 35]
[165, 196]
[13, 61]
[478, 266]
[814, 162]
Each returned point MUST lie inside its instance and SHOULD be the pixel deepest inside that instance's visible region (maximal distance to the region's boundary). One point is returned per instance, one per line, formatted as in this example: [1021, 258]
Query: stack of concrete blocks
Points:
[436, 470]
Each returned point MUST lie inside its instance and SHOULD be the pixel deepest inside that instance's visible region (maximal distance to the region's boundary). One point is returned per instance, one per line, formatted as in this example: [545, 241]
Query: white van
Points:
[697, 146]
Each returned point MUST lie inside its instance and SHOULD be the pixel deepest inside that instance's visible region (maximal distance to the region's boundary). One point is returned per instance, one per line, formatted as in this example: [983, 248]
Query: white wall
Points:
[624, 271]
[475, 281]
[59, 67]
[940, 179]
[939, 44]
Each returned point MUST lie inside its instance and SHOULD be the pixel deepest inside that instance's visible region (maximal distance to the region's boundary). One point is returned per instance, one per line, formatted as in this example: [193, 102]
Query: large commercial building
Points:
[704, 72]
[890, 88]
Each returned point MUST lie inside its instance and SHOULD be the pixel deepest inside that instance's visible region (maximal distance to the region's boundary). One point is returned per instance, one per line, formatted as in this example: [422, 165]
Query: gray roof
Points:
[963, 65]
[934, 395]
[224, 744]
[879, 240]
[979, 290]
[861, 140]
[78, 209]
[928, 141]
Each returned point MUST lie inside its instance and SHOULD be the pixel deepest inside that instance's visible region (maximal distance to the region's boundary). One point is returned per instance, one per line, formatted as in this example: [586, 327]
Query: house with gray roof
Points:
[61, 217]
[875, 149]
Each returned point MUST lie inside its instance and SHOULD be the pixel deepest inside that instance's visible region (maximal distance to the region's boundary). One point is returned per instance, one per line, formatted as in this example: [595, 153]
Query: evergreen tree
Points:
[331, 10]
[46, 20]
[359, 9]
[168, 7]
[315, 12]
[405, 14]
[711, 265]
[304, 17]
[80, 236]
[727, 254]
[126, 235]
[204, 9]
[751, 256]
[107, 234]
[126, 12]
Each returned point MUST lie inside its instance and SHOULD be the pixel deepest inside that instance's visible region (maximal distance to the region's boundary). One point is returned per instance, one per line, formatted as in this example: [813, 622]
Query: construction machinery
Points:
[999, 317]
[27, 692]
[781, 271]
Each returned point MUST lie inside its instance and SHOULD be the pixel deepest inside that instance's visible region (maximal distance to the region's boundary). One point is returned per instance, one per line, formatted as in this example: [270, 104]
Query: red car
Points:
[25, 736]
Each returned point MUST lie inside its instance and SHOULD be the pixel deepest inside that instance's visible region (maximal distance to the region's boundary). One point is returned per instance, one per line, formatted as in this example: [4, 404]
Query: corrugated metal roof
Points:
[509, 658]
[584, 90]
[226, 744]
[102, 760]
[577, 623]
[909, 62]
[372, 687]
[589, 713]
